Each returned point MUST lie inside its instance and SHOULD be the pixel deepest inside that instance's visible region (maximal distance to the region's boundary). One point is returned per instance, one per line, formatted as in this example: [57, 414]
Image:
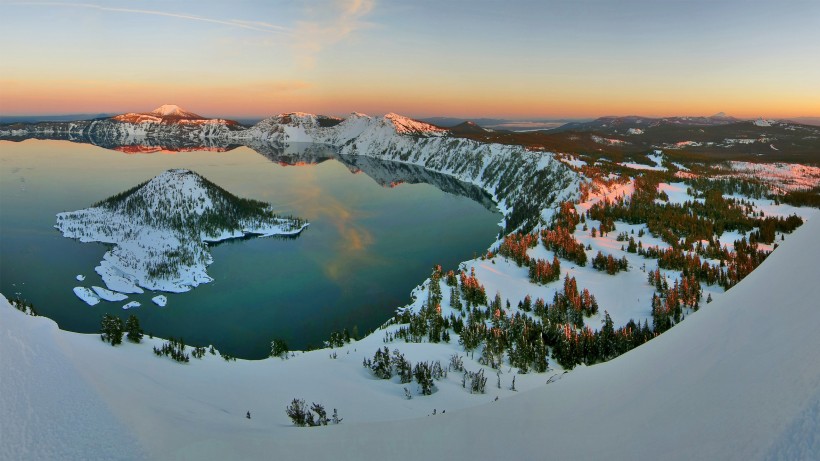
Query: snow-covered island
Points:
[160, 230]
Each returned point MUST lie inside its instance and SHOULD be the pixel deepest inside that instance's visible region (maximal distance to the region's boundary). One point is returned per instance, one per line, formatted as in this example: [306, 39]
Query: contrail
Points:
[250, 25]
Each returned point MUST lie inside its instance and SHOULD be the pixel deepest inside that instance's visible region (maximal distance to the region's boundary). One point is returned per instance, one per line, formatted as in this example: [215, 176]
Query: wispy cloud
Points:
[250, 25]
[329, 24]
[323, 23]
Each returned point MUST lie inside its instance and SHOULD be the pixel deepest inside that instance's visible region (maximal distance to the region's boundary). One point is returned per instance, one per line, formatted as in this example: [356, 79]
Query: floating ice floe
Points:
[86, 295]
[131, 304]
[108, 295]
[160, 300]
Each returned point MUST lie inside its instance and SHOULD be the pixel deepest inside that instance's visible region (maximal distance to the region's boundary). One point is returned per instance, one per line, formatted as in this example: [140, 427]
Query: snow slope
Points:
[47, 409]
[737, 380]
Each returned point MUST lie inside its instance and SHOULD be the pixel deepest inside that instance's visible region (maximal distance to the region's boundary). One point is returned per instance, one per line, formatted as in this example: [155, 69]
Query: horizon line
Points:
[545, 118]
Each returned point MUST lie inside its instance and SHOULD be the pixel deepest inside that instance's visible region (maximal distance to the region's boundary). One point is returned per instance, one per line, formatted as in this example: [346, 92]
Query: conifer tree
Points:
[321, 414]
[297, 412]
[132, 326]
[111, 329]
[278, 348]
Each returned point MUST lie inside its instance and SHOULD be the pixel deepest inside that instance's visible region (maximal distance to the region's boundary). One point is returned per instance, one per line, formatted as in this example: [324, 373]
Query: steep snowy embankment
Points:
[47, 409]
[739, 380]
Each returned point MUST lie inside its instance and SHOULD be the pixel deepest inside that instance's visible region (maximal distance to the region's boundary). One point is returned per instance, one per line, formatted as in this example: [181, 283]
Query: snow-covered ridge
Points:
[160, 230]
[404, 125]
[169, 114]
[515, 177]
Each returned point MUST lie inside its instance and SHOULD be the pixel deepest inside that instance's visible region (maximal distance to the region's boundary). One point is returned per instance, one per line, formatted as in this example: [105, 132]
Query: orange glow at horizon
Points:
[260, 98]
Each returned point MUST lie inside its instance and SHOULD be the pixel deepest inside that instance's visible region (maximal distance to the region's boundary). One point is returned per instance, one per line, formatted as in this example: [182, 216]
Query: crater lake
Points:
[376, 230]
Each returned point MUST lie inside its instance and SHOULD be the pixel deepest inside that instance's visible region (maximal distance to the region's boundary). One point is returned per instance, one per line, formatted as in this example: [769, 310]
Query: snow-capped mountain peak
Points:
[172, 110]
[170, 114]
[405, 125]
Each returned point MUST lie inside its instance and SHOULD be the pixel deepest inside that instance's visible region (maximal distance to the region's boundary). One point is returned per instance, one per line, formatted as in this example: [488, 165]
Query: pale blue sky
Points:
[460, 58]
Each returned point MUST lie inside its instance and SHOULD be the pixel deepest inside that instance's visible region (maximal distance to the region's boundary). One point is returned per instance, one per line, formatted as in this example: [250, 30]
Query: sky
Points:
[460, 58]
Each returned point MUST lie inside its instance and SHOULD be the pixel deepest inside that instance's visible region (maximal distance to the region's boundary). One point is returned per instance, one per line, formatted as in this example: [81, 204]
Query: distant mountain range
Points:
[444, 122]
[501, 123]
[716, 137]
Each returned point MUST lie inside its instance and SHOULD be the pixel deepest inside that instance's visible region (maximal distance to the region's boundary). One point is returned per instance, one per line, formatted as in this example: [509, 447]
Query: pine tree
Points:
[321, 414]
[297, 412]
[111, 329]
[606, 339]
[132, 326]
[278, 348]
[424, 376]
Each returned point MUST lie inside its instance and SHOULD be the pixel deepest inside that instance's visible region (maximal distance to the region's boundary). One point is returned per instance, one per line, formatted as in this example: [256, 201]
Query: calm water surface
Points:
[366, 248]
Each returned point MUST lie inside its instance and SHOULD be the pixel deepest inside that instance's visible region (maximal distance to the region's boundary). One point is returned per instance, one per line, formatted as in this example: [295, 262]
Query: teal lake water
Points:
[367, 246]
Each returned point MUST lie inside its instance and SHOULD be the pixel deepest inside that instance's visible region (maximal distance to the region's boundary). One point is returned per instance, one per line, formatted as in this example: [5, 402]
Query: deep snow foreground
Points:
[740, 379]
[47, 409]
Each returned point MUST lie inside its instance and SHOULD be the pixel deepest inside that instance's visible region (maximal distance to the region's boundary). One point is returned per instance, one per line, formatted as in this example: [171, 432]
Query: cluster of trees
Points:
[567, 217]
[385, 366]
[568, 305]
[112, 329]
[23, 306]
[198, 352]
[668, 302]
[302, 415]
[733, 266]
[681, 225]
[632, 246]
[340, 338]
[174, 348]
[801, 198]
[609, 264]
[728, 186]
[476, 379]
[429, 323]
[606, 226]
[743, 261]
[571, 346]
[472, 290]
[561, 241]
[677, 259]
[767, 227]
[515, 247]
[542, 272]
